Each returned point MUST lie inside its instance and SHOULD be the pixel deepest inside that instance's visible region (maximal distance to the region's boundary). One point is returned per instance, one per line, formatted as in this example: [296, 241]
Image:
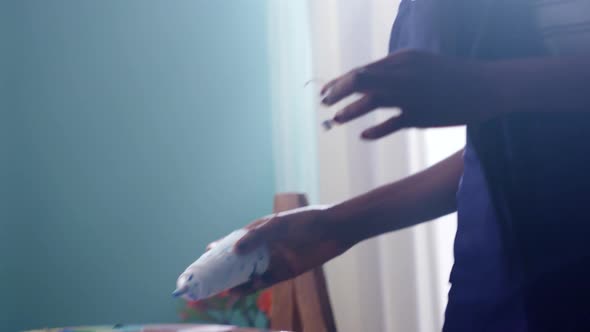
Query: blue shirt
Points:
[533, 189]
[485, 290]
[483, 293]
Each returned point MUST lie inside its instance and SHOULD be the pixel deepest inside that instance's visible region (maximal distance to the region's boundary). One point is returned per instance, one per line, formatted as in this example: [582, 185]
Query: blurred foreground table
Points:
[151, 328]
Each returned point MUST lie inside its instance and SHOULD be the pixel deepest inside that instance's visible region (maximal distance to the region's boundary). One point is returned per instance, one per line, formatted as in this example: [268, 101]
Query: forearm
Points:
[410, 201]
[542, 84]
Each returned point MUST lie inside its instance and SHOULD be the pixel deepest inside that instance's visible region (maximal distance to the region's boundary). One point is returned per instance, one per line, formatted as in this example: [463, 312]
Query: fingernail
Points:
[339, 118]
[325, 92]
[366, 134]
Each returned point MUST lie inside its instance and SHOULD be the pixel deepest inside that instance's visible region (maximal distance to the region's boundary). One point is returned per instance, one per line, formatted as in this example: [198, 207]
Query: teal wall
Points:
[133, 132]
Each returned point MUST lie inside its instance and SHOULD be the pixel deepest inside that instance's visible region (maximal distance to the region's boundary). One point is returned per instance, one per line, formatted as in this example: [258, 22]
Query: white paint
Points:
[221, 268]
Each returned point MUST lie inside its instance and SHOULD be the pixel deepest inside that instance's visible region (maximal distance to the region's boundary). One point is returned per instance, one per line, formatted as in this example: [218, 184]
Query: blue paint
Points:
[180, 292]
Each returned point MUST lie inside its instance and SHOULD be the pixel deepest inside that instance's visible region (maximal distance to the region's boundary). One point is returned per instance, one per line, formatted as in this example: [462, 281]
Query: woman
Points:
[517, 74]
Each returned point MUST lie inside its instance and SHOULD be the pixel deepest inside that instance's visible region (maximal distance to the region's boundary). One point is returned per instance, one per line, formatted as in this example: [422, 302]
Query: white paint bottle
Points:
[221, 268]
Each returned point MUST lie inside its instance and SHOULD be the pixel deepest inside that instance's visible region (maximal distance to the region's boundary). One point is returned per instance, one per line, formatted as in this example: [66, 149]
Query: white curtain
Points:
[292, 100]
[396, 282]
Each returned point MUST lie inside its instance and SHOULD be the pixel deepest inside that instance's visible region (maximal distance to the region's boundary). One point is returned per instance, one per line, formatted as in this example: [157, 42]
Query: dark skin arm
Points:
[418, 198]
[302, 239]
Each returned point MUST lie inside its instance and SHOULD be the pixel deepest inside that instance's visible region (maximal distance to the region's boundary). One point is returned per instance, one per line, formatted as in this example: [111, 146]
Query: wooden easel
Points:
[301, 304]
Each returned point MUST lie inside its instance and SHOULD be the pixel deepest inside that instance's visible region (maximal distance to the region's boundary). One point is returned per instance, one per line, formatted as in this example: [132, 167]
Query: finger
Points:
[370, 67]
[255, 237]
[258, 222]
[243, 290]
[374, 76]
[248, 227]
[360, 107]
[363, 80]
[247, 237]
[251, 286]
[342, 87]
[249, 242]
[326, 88]
[388, 127]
